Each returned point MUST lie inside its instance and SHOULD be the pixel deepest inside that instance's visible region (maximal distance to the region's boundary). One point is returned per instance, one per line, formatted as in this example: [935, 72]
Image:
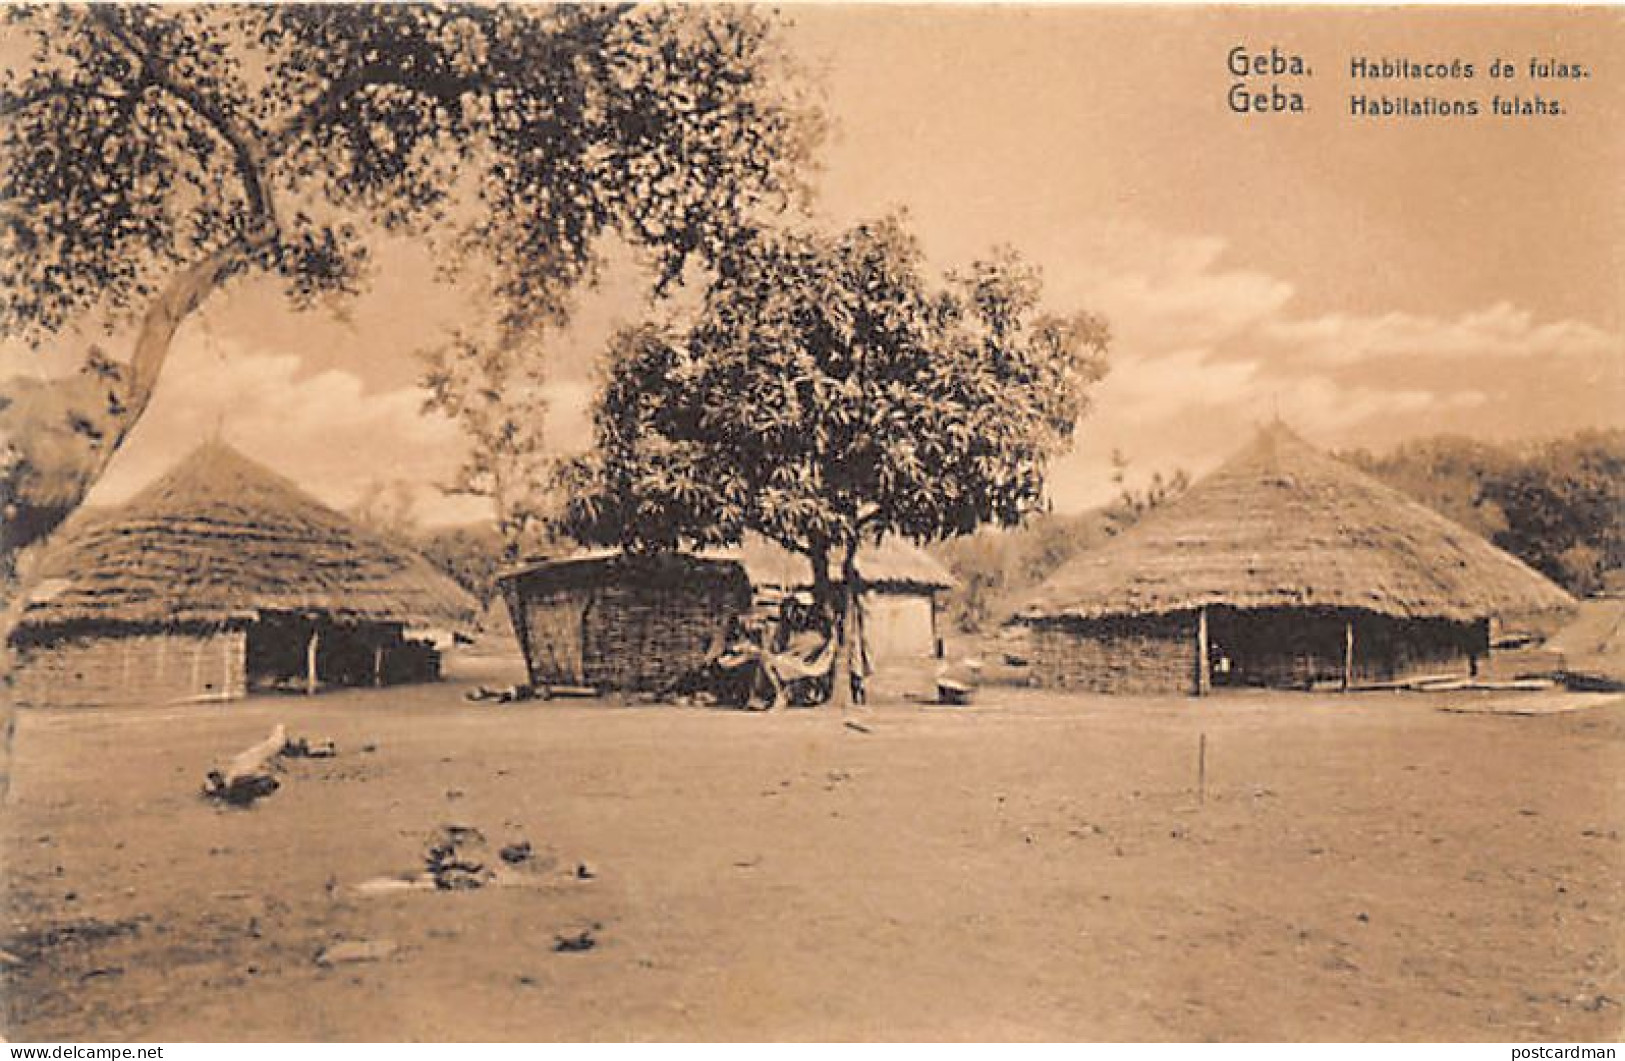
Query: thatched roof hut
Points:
[221, 537]
[224, 548]
[1284, 533]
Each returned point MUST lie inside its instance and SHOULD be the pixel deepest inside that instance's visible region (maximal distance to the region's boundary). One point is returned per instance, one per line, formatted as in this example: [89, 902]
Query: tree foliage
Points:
[997, 566]
[388, 508]
[1559, 505]
[828, 392]
[1565, 508]
[1451, 474]
[150, 154]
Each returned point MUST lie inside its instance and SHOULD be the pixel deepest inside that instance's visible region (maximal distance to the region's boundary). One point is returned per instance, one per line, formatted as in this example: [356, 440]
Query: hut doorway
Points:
[299, 653]
[1323, 648]
[1274, 648]
[279, 652]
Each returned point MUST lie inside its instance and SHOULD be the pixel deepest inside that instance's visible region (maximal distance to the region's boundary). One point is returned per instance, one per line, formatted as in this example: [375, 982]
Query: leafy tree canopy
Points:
[829, 391]
[471, 555]
[149, 154]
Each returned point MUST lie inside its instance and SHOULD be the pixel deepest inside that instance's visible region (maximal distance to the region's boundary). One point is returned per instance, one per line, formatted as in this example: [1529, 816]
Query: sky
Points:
[1366, 280]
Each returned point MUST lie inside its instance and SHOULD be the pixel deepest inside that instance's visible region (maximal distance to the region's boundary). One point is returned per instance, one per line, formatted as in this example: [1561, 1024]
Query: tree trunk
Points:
[829, 609]
[847, 630]
[180, 299]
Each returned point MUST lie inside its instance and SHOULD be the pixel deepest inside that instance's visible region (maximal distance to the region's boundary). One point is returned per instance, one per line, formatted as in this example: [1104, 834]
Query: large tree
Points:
[148, 155]
[829, 392]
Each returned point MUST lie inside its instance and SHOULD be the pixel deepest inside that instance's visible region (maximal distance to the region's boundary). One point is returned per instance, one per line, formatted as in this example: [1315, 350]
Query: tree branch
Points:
[247, 155]
[323, 107]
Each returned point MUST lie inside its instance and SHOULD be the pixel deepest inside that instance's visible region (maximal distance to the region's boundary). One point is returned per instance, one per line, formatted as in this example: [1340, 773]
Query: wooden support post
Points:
[310, 660]
[1348, 654]
[1204, 672]
[378, 665]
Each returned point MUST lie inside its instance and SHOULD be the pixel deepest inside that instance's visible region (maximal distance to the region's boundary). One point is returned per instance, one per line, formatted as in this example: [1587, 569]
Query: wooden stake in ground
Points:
[1201, 769]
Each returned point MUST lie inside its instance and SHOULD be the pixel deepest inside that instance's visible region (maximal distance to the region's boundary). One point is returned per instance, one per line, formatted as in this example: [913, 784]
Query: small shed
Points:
[219, 577]
[1287, 568]
[902, 589]
[622, 621]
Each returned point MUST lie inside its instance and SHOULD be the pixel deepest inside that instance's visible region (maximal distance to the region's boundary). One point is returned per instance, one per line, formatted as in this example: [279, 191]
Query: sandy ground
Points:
[1037, 866]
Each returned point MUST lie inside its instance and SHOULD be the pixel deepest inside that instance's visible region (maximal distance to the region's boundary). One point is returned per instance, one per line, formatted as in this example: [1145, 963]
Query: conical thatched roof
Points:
[1283, 525]
[221, 538]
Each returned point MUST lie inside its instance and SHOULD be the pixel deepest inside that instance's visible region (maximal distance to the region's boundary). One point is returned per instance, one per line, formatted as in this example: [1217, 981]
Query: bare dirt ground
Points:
[1036, 866]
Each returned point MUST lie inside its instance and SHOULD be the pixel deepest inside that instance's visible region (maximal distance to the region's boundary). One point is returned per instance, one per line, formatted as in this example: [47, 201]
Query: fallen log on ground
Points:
[258, 759]
[250, 774]
[356, 950]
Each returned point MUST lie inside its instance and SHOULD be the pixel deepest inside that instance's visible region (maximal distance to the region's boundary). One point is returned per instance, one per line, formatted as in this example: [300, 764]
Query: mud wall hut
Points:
[616, 621]
[220, 577]
[1284, 568]
[902, 589]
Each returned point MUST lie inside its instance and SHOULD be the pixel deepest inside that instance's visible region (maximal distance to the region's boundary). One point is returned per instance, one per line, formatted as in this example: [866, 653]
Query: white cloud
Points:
[1499, 332]
[1204, 352]
[324, 430]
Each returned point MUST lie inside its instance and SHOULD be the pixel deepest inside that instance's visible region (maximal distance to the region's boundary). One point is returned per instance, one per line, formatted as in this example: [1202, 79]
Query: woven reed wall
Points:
[1387, 649]
[639, 638]
[130, 669]
[623, 623]
[552, 624]
[1286, 648]
[1153, 656]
